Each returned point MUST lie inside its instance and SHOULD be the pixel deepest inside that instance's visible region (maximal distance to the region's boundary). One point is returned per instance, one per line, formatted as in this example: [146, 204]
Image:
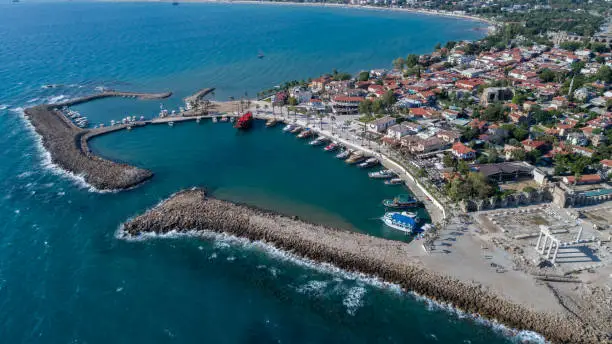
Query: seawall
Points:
[67, 144]
[386, 259]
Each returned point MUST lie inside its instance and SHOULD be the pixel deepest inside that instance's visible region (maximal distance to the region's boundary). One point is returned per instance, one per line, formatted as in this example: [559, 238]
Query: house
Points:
[463, 152]
[381, 124]
[316, 104]
[301, 94]
[419, 145]
[449, 136]
[531, 145]
[586, 179]
[583, 151]
[398, 131]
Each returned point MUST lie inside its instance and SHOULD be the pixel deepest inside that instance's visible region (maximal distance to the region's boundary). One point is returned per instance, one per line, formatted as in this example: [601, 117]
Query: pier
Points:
[67, 143]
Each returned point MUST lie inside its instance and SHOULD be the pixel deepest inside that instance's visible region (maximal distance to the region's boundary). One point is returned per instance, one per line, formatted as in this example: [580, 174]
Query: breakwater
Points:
[67, 144]
[386, 259]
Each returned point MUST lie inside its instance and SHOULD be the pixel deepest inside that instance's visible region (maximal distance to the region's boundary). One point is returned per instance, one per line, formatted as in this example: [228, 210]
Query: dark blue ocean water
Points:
[65, 278]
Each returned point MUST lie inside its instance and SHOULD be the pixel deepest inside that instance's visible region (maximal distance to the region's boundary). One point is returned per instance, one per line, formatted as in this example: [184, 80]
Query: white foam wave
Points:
[354, 299]
[25, 174]
[516, 335]
[4, 106]
[313, 287]
[47, 161]
[33, 100]
[56, 99]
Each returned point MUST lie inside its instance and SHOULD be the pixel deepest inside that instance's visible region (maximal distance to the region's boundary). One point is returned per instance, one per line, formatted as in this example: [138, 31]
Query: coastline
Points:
[391, 261]
[332, 5]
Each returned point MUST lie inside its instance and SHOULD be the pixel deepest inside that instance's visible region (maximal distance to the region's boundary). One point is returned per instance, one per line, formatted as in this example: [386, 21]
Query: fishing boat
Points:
[344, 154]
[271, 122]
[401, 202]
[331, 147]
[245, 121]
[318, 141]
[370, 162]
[355, 158]
[401, 221]
[289, 127]
[305, 134]
[296, 129]
[394, 181]
[382, 174]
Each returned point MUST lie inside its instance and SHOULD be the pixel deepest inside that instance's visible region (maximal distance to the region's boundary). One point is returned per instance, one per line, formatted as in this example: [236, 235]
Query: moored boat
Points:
[289, 127]
[382, 174]
[271, 122]
[401, 202]
[370, 162]
[171, 123]
[318, 141]
[344, 154]
[394, 181]
[355, 158]
[296, 129]
[403, 221]
[305, 133]
[245, 121]
[331, 147]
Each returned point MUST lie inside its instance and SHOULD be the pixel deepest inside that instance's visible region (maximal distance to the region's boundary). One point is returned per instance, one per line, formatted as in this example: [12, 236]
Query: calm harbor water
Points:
[64, 277]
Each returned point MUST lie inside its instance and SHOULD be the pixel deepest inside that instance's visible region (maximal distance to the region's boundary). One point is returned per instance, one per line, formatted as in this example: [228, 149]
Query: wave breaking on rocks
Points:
[191, 210]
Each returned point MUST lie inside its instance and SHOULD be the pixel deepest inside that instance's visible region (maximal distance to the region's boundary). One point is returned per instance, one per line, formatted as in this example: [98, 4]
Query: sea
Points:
[65, 277]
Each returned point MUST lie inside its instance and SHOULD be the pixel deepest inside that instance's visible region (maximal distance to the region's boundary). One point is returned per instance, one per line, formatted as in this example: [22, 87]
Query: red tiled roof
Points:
[462, 149]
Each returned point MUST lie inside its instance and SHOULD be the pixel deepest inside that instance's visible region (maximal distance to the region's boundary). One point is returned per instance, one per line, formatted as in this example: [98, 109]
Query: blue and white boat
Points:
[289, 127]
[382, 174]
[404, 221]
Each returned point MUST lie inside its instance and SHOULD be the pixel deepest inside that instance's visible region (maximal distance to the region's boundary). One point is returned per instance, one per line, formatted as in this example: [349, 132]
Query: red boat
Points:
[245, 121]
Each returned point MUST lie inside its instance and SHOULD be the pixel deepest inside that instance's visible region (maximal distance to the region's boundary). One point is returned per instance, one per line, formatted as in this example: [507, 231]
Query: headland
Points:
[392, 261]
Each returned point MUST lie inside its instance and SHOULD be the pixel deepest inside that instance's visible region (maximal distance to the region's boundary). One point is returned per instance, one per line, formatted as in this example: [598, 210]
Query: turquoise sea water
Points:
[64, 277]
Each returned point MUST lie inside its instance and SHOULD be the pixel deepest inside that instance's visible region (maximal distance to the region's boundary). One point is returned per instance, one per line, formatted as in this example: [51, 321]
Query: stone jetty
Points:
[389, 260]
[67, 144]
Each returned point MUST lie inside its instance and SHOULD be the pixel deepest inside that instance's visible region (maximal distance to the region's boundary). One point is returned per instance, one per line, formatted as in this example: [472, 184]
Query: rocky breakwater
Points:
[389, 260]
[66, 144]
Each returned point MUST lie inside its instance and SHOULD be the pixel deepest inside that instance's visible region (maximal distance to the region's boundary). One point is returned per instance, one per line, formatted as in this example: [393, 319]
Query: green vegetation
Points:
[473, 186]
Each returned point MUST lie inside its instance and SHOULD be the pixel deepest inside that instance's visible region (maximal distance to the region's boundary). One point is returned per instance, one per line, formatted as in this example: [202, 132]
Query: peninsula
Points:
[389, 260]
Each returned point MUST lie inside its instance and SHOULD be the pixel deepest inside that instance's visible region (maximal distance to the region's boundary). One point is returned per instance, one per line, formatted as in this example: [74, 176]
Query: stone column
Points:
[552, 242]
[555, 254]
[538, 243]
[579, 234]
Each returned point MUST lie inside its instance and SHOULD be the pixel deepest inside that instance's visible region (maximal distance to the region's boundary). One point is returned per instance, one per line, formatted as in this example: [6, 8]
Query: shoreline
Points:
[332, 5]
[391, 261]
[67, 147]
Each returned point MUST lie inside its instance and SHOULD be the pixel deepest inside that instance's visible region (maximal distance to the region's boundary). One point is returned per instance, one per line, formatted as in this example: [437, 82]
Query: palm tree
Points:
[333, 122]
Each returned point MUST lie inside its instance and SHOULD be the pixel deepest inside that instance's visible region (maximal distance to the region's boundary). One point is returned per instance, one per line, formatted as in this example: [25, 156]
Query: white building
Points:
[381, 124]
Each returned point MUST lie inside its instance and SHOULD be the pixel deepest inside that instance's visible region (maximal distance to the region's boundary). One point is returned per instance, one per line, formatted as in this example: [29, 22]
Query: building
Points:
[381, 124]
[463, 152]
[343, 105]
[398, 131]
[496, 94]
[586, 179]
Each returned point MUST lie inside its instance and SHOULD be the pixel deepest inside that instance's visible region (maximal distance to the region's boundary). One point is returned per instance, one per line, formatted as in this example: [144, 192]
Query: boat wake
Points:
[354, 299]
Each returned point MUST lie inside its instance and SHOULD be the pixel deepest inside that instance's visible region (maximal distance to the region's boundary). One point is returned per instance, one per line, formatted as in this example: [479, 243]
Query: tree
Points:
[411, 60]
[604, 74]
[572, 46]
[365, 107]
[398, 63]
[438, 46]
[547, 75]
[449, 161]
[364, 76]
[292, 101]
